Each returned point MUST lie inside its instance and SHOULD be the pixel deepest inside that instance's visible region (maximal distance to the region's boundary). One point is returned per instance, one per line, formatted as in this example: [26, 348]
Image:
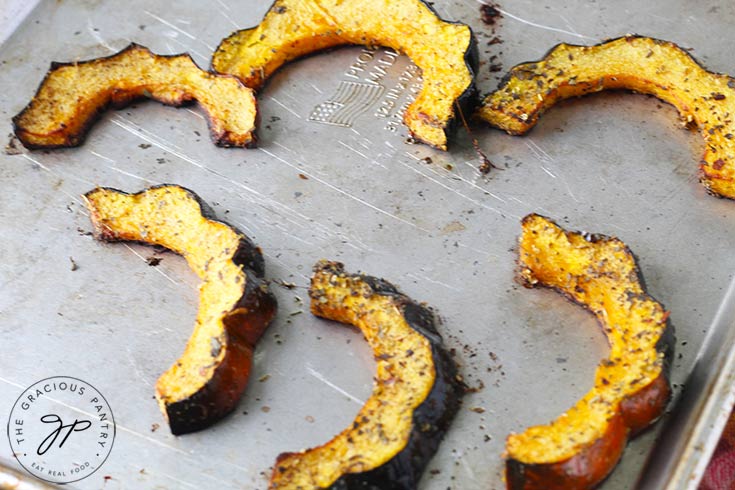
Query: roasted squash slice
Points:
[73, 95]
[235, 306]
[415, 395]
[445, 52]
[631, 389]
[642, 64]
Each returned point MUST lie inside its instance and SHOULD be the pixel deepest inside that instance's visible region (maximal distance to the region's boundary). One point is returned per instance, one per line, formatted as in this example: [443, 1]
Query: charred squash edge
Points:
[431, 419]
[223, 139]
[466, 102]
[717, 166]
[214, 401]
[635, 413]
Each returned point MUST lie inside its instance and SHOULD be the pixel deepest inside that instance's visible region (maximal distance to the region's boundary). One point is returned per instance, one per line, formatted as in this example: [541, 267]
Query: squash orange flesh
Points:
[73, 94]
[645, 65]
[599, 273]
[404, 378]
[293, 28]
[170, 216]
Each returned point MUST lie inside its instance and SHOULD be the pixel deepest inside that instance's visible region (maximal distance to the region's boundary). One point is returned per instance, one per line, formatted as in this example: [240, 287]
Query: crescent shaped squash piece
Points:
[415, 394]
[235, 306]
[446, 52]
[73, 95]
[580, 448]
[642, 64]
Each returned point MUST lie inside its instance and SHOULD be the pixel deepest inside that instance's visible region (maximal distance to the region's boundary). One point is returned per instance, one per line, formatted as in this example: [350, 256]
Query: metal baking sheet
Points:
[612, 163]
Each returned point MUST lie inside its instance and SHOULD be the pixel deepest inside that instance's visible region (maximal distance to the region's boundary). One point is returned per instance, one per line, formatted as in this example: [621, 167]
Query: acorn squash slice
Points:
[631, 390]
[446, 52]
[415, 395]
[641, 64]
[73, 95]
[235, 306]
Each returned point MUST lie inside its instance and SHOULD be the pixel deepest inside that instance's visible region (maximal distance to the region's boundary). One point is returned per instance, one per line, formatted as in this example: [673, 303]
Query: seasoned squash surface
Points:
[414, 398]
[631, 388]
[235, 306]
[73, 94]
[444, 51]
[642, 64]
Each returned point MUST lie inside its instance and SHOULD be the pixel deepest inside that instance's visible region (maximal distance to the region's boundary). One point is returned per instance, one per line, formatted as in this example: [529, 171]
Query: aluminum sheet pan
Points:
[612, 163]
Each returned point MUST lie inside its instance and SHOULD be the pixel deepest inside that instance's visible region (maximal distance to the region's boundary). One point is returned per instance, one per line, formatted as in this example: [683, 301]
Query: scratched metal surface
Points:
[613, 163]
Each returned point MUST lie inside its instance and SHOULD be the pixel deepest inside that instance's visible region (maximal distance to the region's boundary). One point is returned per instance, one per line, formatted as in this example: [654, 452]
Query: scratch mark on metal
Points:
[377, 163]
[569, 189]
[96, 35]
[472, 165]
[324, 380]
[177, 28]
[450, 189]
[189, 48]
[131, 359]
[539, 152]
[72, 196]
[129, 174]
[549, 172]
[545, 27]
[234, 24]
[194, 112]
[284, 212]
[541, 155]
[284, 106]
[569, 24]
[467, 467]
[223, 5]
[353, 149]
[479, 175]
[343, 192]
[422, 277]
[157, 269]
[284, 147]
[113, 167]
[245, 227]
[60, 175]
[12, 383]
[156, 332]
[366, 143]
[180, 482]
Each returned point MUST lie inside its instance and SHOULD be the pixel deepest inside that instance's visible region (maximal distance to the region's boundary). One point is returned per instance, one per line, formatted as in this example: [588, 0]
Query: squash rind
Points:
[72, 96]
[373, 455]
[445, 51]
[581, 447]
[641, 64]
[207, 381]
